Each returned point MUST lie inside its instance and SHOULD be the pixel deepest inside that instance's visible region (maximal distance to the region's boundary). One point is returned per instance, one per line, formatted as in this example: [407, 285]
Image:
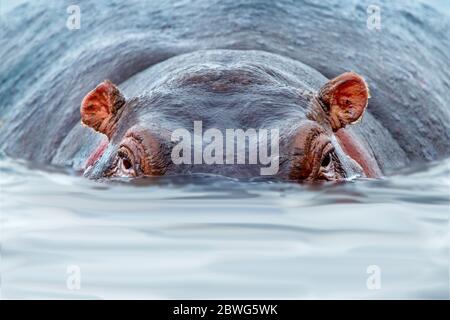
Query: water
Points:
[211, 237]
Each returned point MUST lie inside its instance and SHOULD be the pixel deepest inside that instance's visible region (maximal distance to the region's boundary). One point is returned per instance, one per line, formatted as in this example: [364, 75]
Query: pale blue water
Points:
[214, 238]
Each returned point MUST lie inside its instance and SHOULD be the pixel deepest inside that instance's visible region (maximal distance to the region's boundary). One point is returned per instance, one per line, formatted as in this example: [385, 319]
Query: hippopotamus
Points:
[344, 99]
[230, 89]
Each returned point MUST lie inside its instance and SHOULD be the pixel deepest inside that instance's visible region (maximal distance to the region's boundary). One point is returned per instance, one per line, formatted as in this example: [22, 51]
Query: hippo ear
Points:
[345, 99]
[100, 108]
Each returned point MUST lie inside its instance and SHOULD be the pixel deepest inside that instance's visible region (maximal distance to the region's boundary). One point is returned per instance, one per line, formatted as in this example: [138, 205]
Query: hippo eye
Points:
[327, 164]
[125, 163]
[326, 160]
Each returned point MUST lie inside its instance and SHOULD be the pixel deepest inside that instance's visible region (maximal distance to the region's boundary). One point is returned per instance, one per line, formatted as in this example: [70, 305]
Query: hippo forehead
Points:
[224, 89]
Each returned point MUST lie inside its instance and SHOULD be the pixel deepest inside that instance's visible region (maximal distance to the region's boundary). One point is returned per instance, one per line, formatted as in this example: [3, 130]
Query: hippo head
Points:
[225, 91]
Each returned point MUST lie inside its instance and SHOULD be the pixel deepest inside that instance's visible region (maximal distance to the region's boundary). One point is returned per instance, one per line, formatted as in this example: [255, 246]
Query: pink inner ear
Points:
[352, 96]
[95, 107]
[97, 153]
[345, 98]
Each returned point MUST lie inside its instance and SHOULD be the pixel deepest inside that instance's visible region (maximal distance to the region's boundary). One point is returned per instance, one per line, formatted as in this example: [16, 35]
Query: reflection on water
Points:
[210, 237]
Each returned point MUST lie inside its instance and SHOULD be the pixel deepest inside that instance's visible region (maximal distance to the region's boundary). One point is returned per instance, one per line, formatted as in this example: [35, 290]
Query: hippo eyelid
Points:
[135, 137]
[327, 152]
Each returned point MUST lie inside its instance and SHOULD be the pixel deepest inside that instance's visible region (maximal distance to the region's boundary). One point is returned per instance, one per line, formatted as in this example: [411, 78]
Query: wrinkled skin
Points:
[277, 58]
[256, 90]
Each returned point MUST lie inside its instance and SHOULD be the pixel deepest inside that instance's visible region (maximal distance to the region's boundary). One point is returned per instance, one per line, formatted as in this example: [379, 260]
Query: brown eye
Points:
[126, 163]
[326, 160]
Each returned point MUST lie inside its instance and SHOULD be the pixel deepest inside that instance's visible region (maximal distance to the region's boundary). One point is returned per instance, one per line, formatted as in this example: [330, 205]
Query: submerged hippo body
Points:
[244, 64]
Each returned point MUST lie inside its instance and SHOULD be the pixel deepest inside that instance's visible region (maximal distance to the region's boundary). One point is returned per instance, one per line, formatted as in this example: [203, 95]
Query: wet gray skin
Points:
[147, 48]
[224, 89]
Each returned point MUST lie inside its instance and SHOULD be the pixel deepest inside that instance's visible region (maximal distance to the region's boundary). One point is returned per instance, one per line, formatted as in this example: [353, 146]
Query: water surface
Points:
[210, 237]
